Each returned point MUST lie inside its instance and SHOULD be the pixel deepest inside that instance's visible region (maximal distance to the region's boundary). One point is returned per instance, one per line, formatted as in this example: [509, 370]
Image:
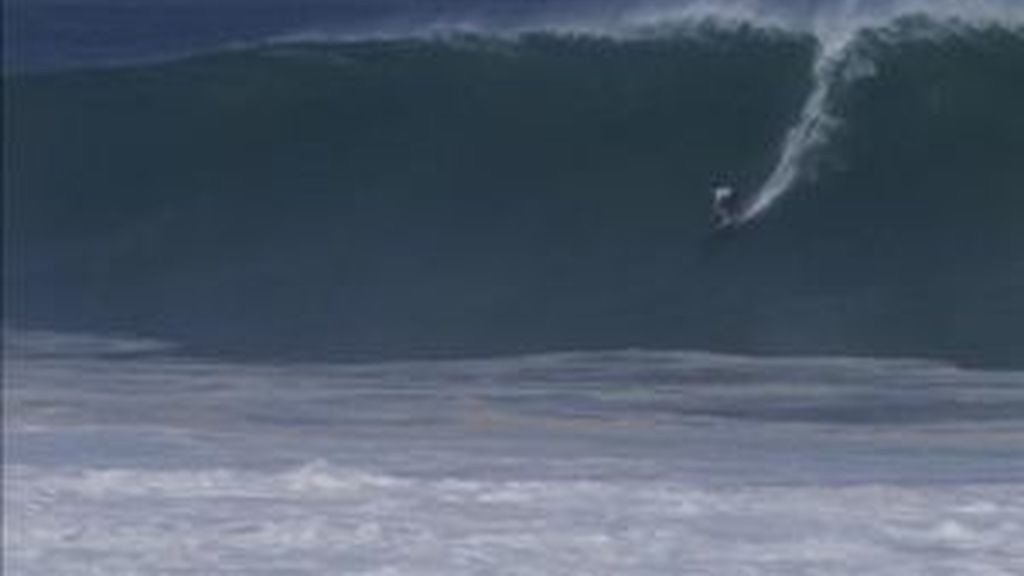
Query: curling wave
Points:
[400, 197]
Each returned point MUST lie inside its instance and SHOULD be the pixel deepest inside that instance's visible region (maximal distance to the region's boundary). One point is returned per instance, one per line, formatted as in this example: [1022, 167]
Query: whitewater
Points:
[123, 457]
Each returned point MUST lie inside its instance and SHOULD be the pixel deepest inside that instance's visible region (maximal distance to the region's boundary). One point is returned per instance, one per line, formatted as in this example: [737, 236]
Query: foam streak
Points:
[812, 130]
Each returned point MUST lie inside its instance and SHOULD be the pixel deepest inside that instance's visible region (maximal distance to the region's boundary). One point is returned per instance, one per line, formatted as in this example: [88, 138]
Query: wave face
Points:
[474, 195]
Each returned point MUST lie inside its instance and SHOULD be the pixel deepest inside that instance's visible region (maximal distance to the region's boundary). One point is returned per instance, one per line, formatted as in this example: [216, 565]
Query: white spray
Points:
[839, 62]
[815, 124]
[811, 130]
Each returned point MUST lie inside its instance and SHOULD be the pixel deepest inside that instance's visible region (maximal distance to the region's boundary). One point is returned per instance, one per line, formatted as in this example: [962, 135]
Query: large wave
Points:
[477, 194]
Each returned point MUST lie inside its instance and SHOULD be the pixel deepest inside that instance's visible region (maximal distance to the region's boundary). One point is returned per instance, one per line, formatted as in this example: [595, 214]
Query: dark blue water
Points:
[475, 195]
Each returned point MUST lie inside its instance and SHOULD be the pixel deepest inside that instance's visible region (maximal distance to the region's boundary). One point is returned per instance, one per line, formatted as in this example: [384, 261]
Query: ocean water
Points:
[124, 458]
[422, 288]
[502, 193]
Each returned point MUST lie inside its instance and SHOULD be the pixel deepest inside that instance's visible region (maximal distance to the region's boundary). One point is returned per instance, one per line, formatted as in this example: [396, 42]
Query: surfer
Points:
[724, 207]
